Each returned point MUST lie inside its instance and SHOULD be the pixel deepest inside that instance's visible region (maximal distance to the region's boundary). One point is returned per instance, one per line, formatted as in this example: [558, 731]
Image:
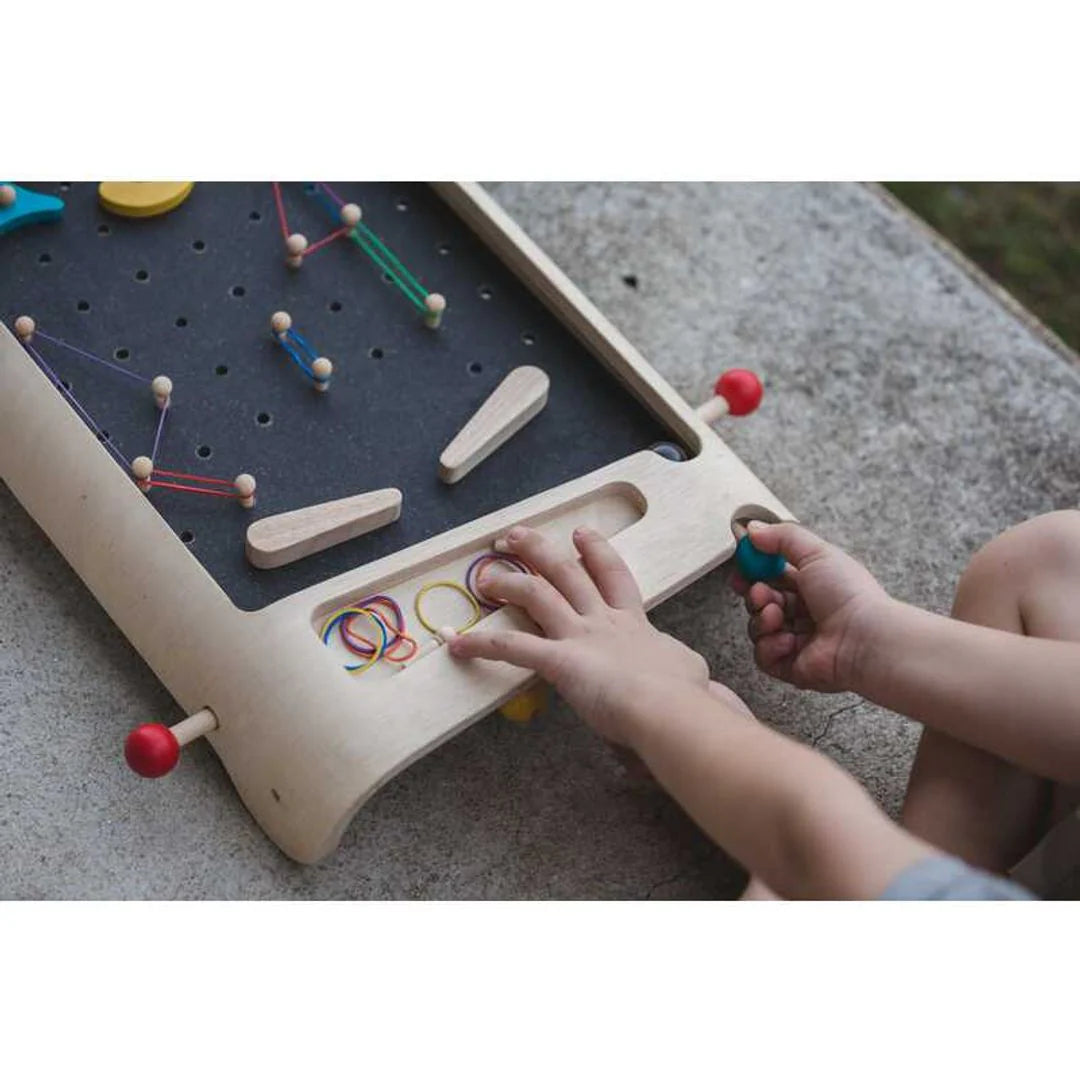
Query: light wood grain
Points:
[305, 743]
[511, 405]
[194, 727]
[714, 409]
[284, 538]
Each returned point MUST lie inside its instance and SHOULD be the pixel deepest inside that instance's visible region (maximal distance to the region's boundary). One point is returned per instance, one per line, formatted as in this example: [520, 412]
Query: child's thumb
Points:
[792, 541]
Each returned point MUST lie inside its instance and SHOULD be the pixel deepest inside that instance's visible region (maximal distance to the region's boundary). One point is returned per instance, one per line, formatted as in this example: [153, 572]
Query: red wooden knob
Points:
[741, 389]
[151, 750]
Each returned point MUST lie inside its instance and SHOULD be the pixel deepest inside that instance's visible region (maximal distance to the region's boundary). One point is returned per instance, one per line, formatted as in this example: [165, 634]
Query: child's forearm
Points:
[987, 687]
[787, 813]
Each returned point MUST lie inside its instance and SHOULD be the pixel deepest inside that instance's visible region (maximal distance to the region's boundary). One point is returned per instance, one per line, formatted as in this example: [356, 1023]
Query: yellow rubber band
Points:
[371, 661]
[477, 614]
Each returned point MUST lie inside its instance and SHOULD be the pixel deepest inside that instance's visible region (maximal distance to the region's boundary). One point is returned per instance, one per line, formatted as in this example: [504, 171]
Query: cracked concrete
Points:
[909, 416]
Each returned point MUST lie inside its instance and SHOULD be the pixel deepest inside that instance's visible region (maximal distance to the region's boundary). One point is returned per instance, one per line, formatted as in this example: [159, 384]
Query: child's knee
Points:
[1043, 553]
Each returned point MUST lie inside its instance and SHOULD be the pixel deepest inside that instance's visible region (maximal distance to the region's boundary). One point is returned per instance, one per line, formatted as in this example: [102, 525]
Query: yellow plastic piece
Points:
[528, 705]
[143, 198]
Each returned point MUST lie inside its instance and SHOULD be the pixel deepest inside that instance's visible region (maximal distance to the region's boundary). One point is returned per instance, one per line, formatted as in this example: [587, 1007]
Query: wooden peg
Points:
[737, 392]
[284, 538]
[512, 404]
[435, 305]
[24, 329]
[162, 387]
[142, 468]
[350, 215]
[321, 370]
[280, 322]
[152, 750]
[7, 196]
[295, 246]
[244, 486]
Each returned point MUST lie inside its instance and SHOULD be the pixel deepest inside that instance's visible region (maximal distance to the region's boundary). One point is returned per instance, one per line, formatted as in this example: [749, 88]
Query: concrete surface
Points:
[909, 416]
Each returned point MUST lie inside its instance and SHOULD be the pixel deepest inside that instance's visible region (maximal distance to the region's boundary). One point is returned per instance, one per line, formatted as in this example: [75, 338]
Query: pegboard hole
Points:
[83, 305]
[198, 245]
[142, 275]
[388, 278]
[254, 216]
[309, 189]
[237, 291]
[630, 280]
[486, 292]
[528, 338]
[187, 536]
[44, 257]
[402, 204]
[263, 419]
[66, 185]
[203, 451]
[443, 249]
[475, 367]
[221, 369]
[334, 305]
[376, 353]
[121, 354]
[103, 229]
[181, 321]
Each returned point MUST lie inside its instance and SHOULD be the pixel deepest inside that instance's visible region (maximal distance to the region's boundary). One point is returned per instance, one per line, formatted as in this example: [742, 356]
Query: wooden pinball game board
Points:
[276, 428]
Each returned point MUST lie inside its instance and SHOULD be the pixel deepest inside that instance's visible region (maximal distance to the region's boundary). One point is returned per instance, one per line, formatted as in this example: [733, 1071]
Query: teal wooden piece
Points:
[754, 565]
[29, 208]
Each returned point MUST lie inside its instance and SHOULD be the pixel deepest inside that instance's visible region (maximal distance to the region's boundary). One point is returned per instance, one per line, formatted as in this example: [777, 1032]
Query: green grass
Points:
[1025, 236]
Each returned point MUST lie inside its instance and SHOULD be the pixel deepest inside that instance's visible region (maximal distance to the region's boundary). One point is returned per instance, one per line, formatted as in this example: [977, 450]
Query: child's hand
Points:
[808, 627]
[600, 650]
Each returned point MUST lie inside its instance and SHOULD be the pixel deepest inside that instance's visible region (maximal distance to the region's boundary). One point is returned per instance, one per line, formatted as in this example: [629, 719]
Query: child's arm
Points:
[792, 817]
[830, 626]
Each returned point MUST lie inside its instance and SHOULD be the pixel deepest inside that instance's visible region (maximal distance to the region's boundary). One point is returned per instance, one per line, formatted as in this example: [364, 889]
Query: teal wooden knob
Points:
[756, 565]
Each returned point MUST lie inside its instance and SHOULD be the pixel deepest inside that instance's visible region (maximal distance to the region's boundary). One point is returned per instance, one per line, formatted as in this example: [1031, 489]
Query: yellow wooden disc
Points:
[143, 198]
[526, 706]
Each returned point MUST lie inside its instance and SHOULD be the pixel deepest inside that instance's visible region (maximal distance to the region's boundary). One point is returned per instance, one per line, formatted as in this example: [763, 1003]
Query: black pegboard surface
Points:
[190, 295]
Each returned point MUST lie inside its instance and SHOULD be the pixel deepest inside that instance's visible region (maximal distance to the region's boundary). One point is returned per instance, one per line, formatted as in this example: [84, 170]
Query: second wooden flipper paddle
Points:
[512, 404]
[284, 538]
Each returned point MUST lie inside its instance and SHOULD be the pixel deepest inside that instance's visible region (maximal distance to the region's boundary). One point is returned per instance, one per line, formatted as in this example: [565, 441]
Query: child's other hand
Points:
[600, 651]
[808, 627]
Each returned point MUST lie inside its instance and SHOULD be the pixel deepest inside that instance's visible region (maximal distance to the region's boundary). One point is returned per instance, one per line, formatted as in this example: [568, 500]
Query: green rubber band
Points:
[390, 264]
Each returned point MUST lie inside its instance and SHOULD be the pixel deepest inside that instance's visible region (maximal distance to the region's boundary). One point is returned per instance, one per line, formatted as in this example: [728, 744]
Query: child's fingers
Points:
[775, 652]
[759, 594]
[544, 604]
[769, 620]
[607, 568]
[549, 560]
[512, 646]
[796, 544]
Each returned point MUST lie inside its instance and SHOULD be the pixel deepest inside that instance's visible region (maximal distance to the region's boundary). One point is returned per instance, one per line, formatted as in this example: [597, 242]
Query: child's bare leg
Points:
[966, 800]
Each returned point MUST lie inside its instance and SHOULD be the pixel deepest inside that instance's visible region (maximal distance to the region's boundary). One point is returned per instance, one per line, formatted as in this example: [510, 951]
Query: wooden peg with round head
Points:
[162, 387]
[295, 246]
[280, 323]
[321, 370]
[142, 468]
[151, 750]
[245, 490]
[736, 392]
[24, 328]
[350, 215]
[435, 305]
[7, 196]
